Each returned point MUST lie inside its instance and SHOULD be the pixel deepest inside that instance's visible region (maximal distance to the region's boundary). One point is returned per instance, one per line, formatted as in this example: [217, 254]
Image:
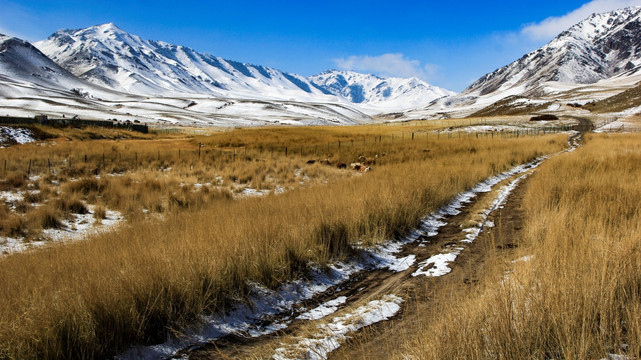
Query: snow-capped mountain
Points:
[22, 63]
[371, 89]
[32, 84]
[109, 56]
[599, 47]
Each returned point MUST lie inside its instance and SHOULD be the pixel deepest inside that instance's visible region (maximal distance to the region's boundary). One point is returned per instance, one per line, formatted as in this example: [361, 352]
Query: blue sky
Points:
[447, 43]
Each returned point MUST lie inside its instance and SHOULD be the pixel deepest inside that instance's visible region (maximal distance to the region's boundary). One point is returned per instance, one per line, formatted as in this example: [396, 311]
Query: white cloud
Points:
[552, 26]
[388, 65]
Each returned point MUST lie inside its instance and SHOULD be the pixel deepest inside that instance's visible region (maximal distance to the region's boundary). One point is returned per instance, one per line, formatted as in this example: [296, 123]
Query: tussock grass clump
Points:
[45, 217]
[99, 213]
[70, 205]
[11, 225]
[577, 294]
[14, 180]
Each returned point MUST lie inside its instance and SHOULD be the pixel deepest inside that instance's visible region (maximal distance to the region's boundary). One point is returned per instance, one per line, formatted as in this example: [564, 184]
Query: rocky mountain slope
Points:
[31, 84]
[22, 64]
[599, 47]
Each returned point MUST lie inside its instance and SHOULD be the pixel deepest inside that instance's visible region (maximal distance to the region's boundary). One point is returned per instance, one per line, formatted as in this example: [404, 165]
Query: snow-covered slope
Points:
[599, 47]
[391, 93]
[592, 60]
[21, 63]
[31, 84]
[111, 57]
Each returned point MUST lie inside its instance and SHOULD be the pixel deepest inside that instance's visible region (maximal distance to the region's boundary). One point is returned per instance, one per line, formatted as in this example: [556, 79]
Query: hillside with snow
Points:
[597, 48]
[108, 56]
[592, 60]
[24, 69]
[111, 57]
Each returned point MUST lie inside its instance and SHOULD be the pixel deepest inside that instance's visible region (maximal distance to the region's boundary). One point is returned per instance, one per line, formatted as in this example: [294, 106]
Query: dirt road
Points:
[452, 248]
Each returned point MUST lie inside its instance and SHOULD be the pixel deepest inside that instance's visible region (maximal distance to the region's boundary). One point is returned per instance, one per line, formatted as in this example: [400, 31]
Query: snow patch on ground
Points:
[438, 265]
[499, 128]
[330, 336]
[79, 227]
[10, 135]
[246, 319]
[618, 125]
[323, 310]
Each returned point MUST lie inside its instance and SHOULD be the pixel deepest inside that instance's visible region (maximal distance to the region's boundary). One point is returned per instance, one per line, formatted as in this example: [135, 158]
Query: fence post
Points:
[49, 163]
[29, 169]
[285, 150]
[198, 150]
[412, 136]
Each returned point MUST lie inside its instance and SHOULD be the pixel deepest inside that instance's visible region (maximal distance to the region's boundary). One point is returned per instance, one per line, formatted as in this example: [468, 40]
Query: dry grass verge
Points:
[576, 292]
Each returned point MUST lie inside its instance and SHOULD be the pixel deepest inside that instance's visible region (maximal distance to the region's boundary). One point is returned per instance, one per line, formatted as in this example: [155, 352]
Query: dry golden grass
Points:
[93, 298]
[578, 293]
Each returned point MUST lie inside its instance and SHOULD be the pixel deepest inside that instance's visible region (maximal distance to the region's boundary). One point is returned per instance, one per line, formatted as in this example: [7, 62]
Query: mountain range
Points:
[103, 71]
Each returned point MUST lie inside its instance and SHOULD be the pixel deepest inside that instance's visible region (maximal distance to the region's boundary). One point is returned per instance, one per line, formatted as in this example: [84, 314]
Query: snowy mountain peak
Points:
[21, 62]
[373, 89]
[599, 47]
[106, 55]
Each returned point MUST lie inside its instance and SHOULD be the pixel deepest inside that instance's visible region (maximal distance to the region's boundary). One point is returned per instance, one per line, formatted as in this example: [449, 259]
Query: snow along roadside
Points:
[285, 303]
[330, 336]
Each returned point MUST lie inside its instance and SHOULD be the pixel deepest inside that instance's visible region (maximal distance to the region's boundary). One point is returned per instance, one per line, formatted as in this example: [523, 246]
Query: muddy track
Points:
[409, 283]
[362, 286]
[381, 339]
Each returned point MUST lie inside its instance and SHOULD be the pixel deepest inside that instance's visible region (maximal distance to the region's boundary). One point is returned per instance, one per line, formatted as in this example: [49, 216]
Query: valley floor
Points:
[330, 261]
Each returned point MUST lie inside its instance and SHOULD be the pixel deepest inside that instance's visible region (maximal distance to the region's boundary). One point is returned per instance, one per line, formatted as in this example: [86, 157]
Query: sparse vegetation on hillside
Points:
[628, 99]
[512, 105]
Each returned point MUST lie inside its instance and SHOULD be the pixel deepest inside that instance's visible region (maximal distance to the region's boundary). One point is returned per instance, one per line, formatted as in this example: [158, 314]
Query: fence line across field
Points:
[55, 162]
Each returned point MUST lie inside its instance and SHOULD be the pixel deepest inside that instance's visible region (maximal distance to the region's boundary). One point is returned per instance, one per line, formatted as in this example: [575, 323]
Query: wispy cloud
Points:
[388, 65]
[552, 26]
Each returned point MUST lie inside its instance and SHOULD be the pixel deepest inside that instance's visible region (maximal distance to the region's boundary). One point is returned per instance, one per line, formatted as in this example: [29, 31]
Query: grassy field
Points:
[157, 273]
[573, 288]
